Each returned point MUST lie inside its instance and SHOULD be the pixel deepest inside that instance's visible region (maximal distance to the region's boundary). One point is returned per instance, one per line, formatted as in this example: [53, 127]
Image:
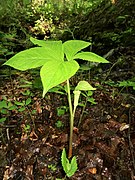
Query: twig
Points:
[81, 116]
[8, 137]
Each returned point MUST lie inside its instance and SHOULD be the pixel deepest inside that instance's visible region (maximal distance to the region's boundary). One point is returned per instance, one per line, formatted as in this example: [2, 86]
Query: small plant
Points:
[61, 110]
[69, 167]
[128, 83]
[52, 167]
[58, 64]
[2, 120]
[22, 105]
[27, 128]
[59, 124]
[6, 106]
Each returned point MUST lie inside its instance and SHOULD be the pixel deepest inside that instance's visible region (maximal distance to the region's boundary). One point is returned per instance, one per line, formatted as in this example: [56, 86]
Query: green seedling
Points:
[33, 111]
[59, 124]
[127, 83]
[27, 128]
[22, 105]
[52, 167]
[58, 64]
[3, 120]
[69, 167]
[6, 107]
[88, 97]
[59, 90]
[3, 106]
[61, 110]
[27, 93]
[25, 84]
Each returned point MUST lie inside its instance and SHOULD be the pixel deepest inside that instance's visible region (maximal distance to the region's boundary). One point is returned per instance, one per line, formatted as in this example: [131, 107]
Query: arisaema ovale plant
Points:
[58, 64]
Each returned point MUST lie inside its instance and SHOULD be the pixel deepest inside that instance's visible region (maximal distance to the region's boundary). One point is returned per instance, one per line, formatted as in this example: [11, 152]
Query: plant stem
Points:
[30, 116]
[71, 120]
[81, 116]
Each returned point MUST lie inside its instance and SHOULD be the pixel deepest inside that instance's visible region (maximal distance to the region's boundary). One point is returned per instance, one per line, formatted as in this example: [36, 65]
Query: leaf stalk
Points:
[71, 120]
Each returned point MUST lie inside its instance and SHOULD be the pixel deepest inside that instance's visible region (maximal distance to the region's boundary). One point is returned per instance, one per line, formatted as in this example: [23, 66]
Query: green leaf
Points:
[91, 100]
[27, 59]
[28, 101]
[89, 56]
[69, 168]
[9, 105]
[81, 104]
[21, 109]
[26, 93]
[64, 161]
[60, 111]
[3, 104]
[4, 98]
[71, 47]
[73, 167]
[54, 46]
[84, 86]
[2, 120]
[34, 111]
[19, 103]
[27, 127]
[85, 67]
[59, 89]
[12, 108]
[127, 83]
[59, 124]
[34, 57]
[89, 93]
[44, 43]
[4, 111]
[54, 73]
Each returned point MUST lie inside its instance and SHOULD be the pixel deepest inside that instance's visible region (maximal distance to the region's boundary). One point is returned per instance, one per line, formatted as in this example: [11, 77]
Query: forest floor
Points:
[32, 139]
